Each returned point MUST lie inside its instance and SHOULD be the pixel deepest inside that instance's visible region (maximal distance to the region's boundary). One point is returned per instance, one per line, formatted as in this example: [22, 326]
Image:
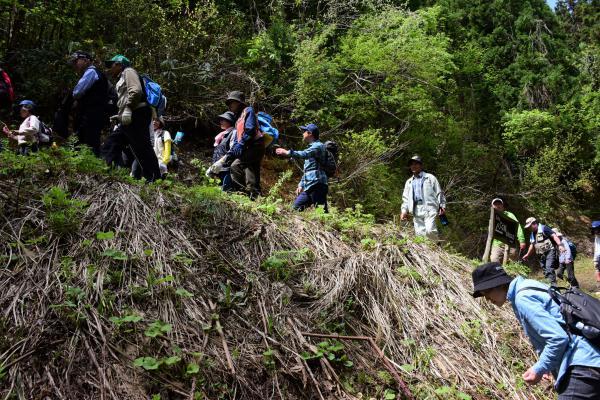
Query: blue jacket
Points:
[314, 155]
[543, 324]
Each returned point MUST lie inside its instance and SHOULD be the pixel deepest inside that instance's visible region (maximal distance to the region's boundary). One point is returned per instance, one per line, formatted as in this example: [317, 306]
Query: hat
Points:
[529, 221]
[415, 158]
[28, 104]
[119, 59]
[312, 128]
[79, 54]
[228, 116]
[488, 276]
[236, 95]
[496, 200]
[595, 225]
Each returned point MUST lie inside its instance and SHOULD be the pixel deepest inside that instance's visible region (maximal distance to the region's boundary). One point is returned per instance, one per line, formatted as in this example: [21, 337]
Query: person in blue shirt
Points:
[313, 187]
[248, 149]
[544, 242]
[91, 100]
[570, 359]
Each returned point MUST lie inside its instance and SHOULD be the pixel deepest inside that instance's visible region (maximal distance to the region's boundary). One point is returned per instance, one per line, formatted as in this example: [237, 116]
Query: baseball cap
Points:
[76, 55]
[312, 128]
[27, 104]
[120, 59]
[415, 158]
[529, 221]
[488, 276]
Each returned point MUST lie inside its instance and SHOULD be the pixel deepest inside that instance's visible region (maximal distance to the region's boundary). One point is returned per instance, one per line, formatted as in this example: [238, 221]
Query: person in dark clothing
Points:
[90, 97]
[544, 242]
[249, 147]
[134, 115]
[313, 187]
[223, 143]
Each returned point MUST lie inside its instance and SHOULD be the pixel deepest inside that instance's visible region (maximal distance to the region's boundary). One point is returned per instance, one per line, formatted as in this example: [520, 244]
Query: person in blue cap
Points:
[27, 136]
[313, 187]
[571, 359]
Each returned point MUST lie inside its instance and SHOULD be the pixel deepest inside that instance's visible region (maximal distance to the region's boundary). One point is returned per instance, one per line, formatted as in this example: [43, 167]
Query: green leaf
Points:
[192, 369]
[408, 368]
[348, 364]
[157, 328]
[148, 363]
[105, 235]
[148, 252]
[115, 254]
[172, 360]
[389, 394]
[184, 293]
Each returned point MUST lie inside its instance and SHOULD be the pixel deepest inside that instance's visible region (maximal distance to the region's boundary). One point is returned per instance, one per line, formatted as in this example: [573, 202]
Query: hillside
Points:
[111, 289]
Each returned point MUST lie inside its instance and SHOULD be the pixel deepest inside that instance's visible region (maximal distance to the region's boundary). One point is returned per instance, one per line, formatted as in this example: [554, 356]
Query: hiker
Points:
[249, 147]
[543, 241]
[423, 198]
[313, 187]
[134, 115]
[7, 94]
[498, 248]
[566, 260]
[596, 233]
[90, 99]
[27, 136]
[224, 141]
[571, 359]
[162, 144]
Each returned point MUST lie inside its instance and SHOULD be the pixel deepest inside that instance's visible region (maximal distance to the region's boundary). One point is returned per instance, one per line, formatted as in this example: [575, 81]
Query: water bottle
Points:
[178, 137]
[444, 220]
[587, 331]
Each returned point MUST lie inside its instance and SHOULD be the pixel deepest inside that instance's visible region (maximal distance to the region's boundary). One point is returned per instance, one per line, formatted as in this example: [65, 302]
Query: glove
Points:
[215, 169]
[236, 150]
[126, 116]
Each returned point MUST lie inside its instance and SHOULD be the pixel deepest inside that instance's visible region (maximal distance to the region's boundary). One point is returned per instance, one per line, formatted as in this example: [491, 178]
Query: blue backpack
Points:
[154, 95]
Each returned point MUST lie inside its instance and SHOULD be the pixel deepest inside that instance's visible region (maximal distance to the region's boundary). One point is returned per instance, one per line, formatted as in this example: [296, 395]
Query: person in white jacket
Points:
[27, 136]
[423, 198]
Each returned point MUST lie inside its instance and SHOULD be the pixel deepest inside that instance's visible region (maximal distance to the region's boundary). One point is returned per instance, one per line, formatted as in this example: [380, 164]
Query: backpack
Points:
[7, 93]
[330, 165]
[154, 95]
[573, 248]
[265, 125]
[44, 135]
[112, 100]
[580, 311]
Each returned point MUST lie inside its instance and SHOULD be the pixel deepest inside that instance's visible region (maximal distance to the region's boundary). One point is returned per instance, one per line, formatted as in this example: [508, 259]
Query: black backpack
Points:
[45, 136]
[580, 311]
[330, 164]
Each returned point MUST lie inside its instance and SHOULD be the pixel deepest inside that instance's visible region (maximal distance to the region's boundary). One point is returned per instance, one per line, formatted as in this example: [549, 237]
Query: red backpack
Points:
[7, 93]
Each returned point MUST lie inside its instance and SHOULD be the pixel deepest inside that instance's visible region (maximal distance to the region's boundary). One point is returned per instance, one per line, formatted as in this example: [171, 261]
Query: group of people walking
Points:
[137, 138]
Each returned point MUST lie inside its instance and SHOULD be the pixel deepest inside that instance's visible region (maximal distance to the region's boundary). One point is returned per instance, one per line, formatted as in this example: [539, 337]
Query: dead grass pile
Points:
[194, 297]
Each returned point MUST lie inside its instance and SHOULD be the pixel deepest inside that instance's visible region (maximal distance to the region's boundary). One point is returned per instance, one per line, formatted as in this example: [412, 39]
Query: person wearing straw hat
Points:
[566, 260]
[498, 248]
[423, 198]
[544, 242]
[249, 148]
[571, 359]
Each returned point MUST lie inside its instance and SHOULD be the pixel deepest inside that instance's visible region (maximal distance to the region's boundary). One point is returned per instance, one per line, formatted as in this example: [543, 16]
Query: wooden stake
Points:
[490, 238]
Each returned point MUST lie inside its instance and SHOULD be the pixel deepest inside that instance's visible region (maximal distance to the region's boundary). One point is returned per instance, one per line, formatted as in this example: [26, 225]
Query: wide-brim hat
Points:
[227, 116]
[489, 276]
[236, 95]
[415, 158]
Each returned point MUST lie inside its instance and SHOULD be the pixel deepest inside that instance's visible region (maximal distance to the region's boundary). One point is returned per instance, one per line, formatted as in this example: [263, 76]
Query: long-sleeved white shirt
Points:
[28, 131]
[432, 193]
[597, 251]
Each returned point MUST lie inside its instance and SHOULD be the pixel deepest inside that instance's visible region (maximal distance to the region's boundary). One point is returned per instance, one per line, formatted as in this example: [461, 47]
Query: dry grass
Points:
[412, 298]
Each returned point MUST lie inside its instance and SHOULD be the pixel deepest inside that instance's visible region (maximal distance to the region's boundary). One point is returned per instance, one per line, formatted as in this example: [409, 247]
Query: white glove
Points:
[215, 169]
[126, 116]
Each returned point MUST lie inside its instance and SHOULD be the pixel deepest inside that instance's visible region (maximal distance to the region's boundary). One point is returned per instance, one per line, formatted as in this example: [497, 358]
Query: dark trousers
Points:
[570, 273]
[580, 383]
[548, 263]
[89, 128]
[245, 171]
[137, 136]
[315, 196]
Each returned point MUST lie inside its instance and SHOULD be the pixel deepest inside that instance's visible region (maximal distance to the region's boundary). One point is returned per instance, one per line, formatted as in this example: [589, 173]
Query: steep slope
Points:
[112, 289]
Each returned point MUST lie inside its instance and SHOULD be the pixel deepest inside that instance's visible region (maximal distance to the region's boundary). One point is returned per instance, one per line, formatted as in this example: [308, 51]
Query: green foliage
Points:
[157, 328]
[332, 351]
[63, 213]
